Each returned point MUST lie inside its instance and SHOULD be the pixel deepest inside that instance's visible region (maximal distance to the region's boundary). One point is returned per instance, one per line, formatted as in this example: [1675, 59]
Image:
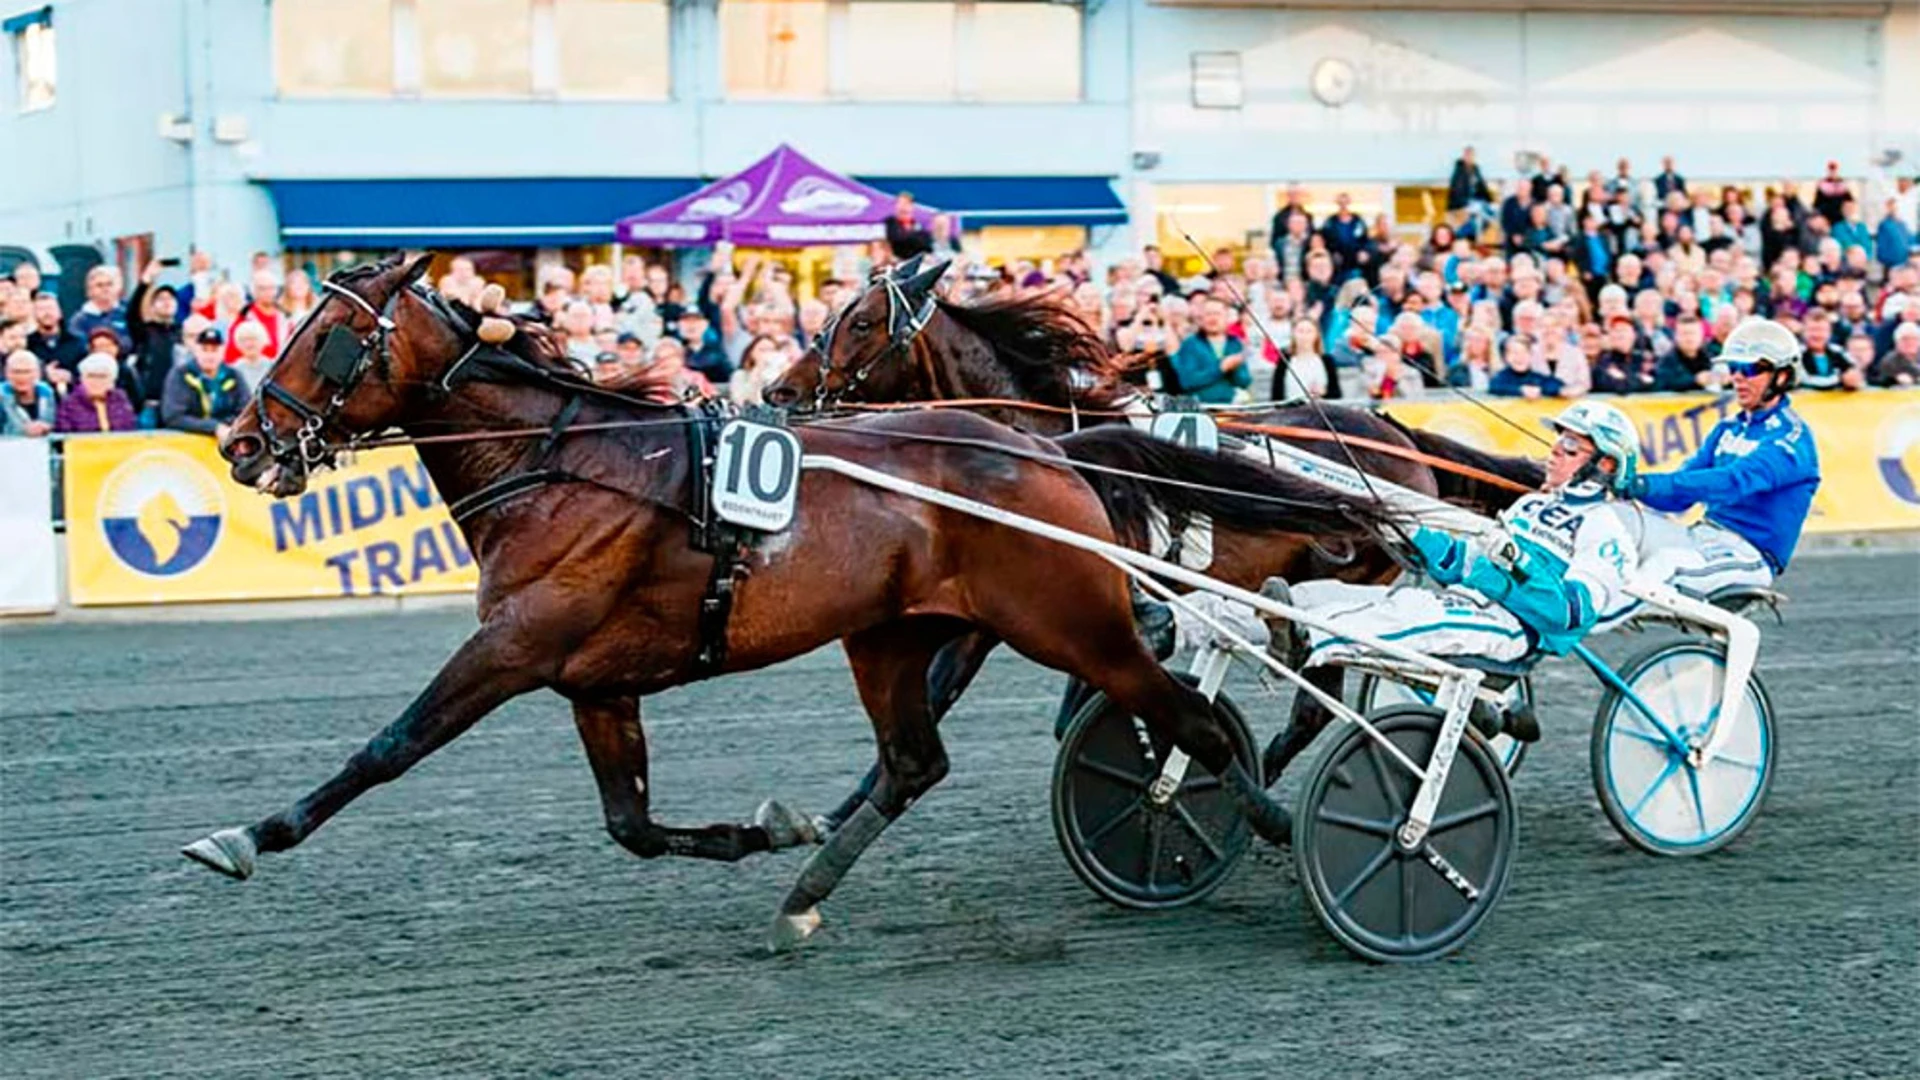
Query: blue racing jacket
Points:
[1756, 472]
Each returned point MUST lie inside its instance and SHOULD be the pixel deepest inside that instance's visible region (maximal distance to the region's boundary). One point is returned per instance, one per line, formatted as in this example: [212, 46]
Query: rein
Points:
[1280, 431]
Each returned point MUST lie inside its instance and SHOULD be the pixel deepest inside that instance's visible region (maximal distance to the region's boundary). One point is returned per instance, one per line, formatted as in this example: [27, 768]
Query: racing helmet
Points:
[1613, 438]
[1763, 341]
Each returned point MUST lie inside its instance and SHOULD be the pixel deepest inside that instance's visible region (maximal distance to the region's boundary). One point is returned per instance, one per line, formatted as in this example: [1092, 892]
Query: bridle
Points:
[342, 362]
[904, 324]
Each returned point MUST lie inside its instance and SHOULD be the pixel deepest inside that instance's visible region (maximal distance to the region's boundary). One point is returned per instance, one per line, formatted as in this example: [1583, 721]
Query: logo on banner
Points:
[1897, 453]
[725, 203]
[161, 513]
[814, 197]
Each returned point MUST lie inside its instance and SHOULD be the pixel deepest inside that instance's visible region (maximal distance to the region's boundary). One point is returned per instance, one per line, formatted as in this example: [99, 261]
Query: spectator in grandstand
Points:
[1900, 367]
[1623, 366]
[1212, 366]
[30, 405]
[1893, 239]
[57, 346]
[26, 277]
[154, 336]
[103, 306]
[96, 405]
[706, 354]
[1517, 376]
[262, 307]
[298, 299]
[905, 236]
[1345, 233]
[205, 395]
[1385, 371]
[13, 336]
[1823, 365]
[249, 348]
[761, 365]
[1469, 199]
[669, 369]
[1831, 192]
[1667, 181]
[1304, 369]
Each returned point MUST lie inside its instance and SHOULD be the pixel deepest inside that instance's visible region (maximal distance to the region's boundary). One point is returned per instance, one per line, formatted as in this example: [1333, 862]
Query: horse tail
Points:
[1467, 490]
[1135, 474]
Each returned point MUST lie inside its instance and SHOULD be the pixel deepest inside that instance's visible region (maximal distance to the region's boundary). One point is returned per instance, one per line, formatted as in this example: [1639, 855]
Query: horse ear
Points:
[904, 270]
[922, 282]
[416, 268]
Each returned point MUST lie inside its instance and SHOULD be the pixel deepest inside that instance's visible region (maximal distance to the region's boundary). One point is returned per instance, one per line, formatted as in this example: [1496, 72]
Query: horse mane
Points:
[1046, 347]
[1488, 498]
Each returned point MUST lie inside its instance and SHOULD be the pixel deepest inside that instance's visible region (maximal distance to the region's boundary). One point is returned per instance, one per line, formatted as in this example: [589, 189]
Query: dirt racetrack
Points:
[473, 919]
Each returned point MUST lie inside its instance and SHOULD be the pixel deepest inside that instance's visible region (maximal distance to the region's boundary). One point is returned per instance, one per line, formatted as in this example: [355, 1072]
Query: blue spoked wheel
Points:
[1122, 843]
[1375, 692]
[1657, 800]
[1380, 900]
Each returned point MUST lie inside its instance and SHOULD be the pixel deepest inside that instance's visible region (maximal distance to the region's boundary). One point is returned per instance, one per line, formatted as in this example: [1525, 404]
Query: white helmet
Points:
[1763, 341]
[1613, 436]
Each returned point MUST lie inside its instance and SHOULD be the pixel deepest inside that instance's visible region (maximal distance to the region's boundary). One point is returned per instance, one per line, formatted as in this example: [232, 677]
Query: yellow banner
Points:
[1869, 443]
[155, 518]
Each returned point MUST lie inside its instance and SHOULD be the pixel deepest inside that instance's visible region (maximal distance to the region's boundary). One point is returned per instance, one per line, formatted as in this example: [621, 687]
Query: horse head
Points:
[355, 366]
[849, 361]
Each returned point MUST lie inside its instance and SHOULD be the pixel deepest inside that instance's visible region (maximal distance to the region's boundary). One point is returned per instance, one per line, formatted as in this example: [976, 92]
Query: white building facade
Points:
[145, 126]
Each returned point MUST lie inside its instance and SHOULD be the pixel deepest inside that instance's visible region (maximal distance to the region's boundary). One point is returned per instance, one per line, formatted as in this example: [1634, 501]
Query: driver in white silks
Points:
[1562, 557]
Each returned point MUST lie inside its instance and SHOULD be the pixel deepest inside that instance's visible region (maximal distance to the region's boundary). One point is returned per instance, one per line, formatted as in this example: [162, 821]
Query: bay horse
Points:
[580, 509]
[898, 341]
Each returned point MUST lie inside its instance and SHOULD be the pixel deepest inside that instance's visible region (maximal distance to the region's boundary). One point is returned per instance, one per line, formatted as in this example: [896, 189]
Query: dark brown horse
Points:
[589, 584]
[898, 341]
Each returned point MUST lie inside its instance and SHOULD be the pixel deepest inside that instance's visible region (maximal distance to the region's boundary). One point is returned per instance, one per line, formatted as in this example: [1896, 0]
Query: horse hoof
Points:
[790, 930]
[230, 851]
[785, 828]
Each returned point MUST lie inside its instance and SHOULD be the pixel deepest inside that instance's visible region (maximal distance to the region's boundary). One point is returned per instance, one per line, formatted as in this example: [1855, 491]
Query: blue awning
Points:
[18, 24]
[520, 212]
[1014, 200]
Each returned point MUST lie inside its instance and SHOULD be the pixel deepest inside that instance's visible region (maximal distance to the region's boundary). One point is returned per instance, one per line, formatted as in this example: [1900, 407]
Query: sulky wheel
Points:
[1123, 844]
[1375, 692]
[1379, 900]
[1649, 789]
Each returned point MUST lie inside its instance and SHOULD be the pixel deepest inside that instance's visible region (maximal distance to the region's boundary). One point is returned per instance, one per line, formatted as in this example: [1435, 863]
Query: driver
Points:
[1563, 556]
[1756, 473]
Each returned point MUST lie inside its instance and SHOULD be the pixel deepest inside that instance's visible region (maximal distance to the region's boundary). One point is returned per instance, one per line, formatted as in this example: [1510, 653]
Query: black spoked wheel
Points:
[1126, 846]
[1375, 692]
[1378, 899]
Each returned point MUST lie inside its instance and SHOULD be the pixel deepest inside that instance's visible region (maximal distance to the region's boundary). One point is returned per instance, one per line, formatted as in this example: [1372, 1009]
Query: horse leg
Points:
[489, 669]
[1094, 639]
[890, 664]
[1307, 720]
[953, 669]
[617, 751]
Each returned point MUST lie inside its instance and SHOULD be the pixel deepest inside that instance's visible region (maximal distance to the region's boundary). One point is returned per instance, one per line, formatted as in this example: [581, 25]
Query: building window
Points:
[33, 58]
[333, 48]
[1216, 80]
[900, 50]
[475, 48]
[774, 48]
[1026, 52]
[612, 48]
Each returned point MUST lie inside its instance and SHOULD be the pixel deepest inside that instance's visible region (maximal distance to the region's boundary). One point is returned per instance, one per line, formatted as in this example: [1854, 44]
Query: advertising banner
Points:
[1869, 443]
[29, 581]
[155, 518]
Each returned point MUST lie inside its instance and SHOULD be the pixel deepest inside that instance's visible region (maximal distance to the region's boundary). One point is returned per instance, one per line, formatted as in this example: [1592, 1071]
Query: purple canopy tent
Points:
[782, 200]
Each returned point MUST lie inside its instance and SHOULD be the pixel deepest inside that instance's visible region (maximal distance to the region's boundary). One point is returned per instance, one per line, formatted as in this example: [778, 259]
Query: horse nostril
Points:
[243, 448]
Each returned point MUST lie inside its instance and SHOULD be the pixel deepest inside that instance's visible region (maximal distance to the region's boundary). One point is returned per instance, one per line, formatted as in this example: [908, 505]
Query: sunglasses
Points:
[1571, 445]
[1747, 369]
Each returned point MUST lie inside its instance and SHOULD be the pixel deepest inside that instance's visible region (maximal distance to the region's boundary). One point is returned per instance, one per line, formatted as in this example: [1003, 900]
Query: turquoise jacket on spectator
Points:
[1892, 242]
[1197, 366]
[1852, 234]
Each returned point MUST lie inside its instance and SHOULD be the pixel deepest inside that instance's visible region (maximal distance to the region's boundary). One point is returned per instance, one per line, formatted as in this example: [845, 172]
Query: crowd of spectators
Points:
[1618, 285]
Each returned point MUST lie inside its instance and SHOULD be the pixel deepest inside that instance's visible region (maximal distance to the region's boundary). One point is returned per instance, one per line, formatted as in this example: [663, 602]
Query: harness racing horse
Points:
[589, 585]
[897, 342]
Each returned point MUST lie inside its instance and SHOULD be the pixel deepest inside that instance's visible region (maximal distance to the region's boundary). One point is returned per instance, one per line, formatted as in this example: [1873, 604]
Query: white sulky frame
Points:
[1457, 685]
